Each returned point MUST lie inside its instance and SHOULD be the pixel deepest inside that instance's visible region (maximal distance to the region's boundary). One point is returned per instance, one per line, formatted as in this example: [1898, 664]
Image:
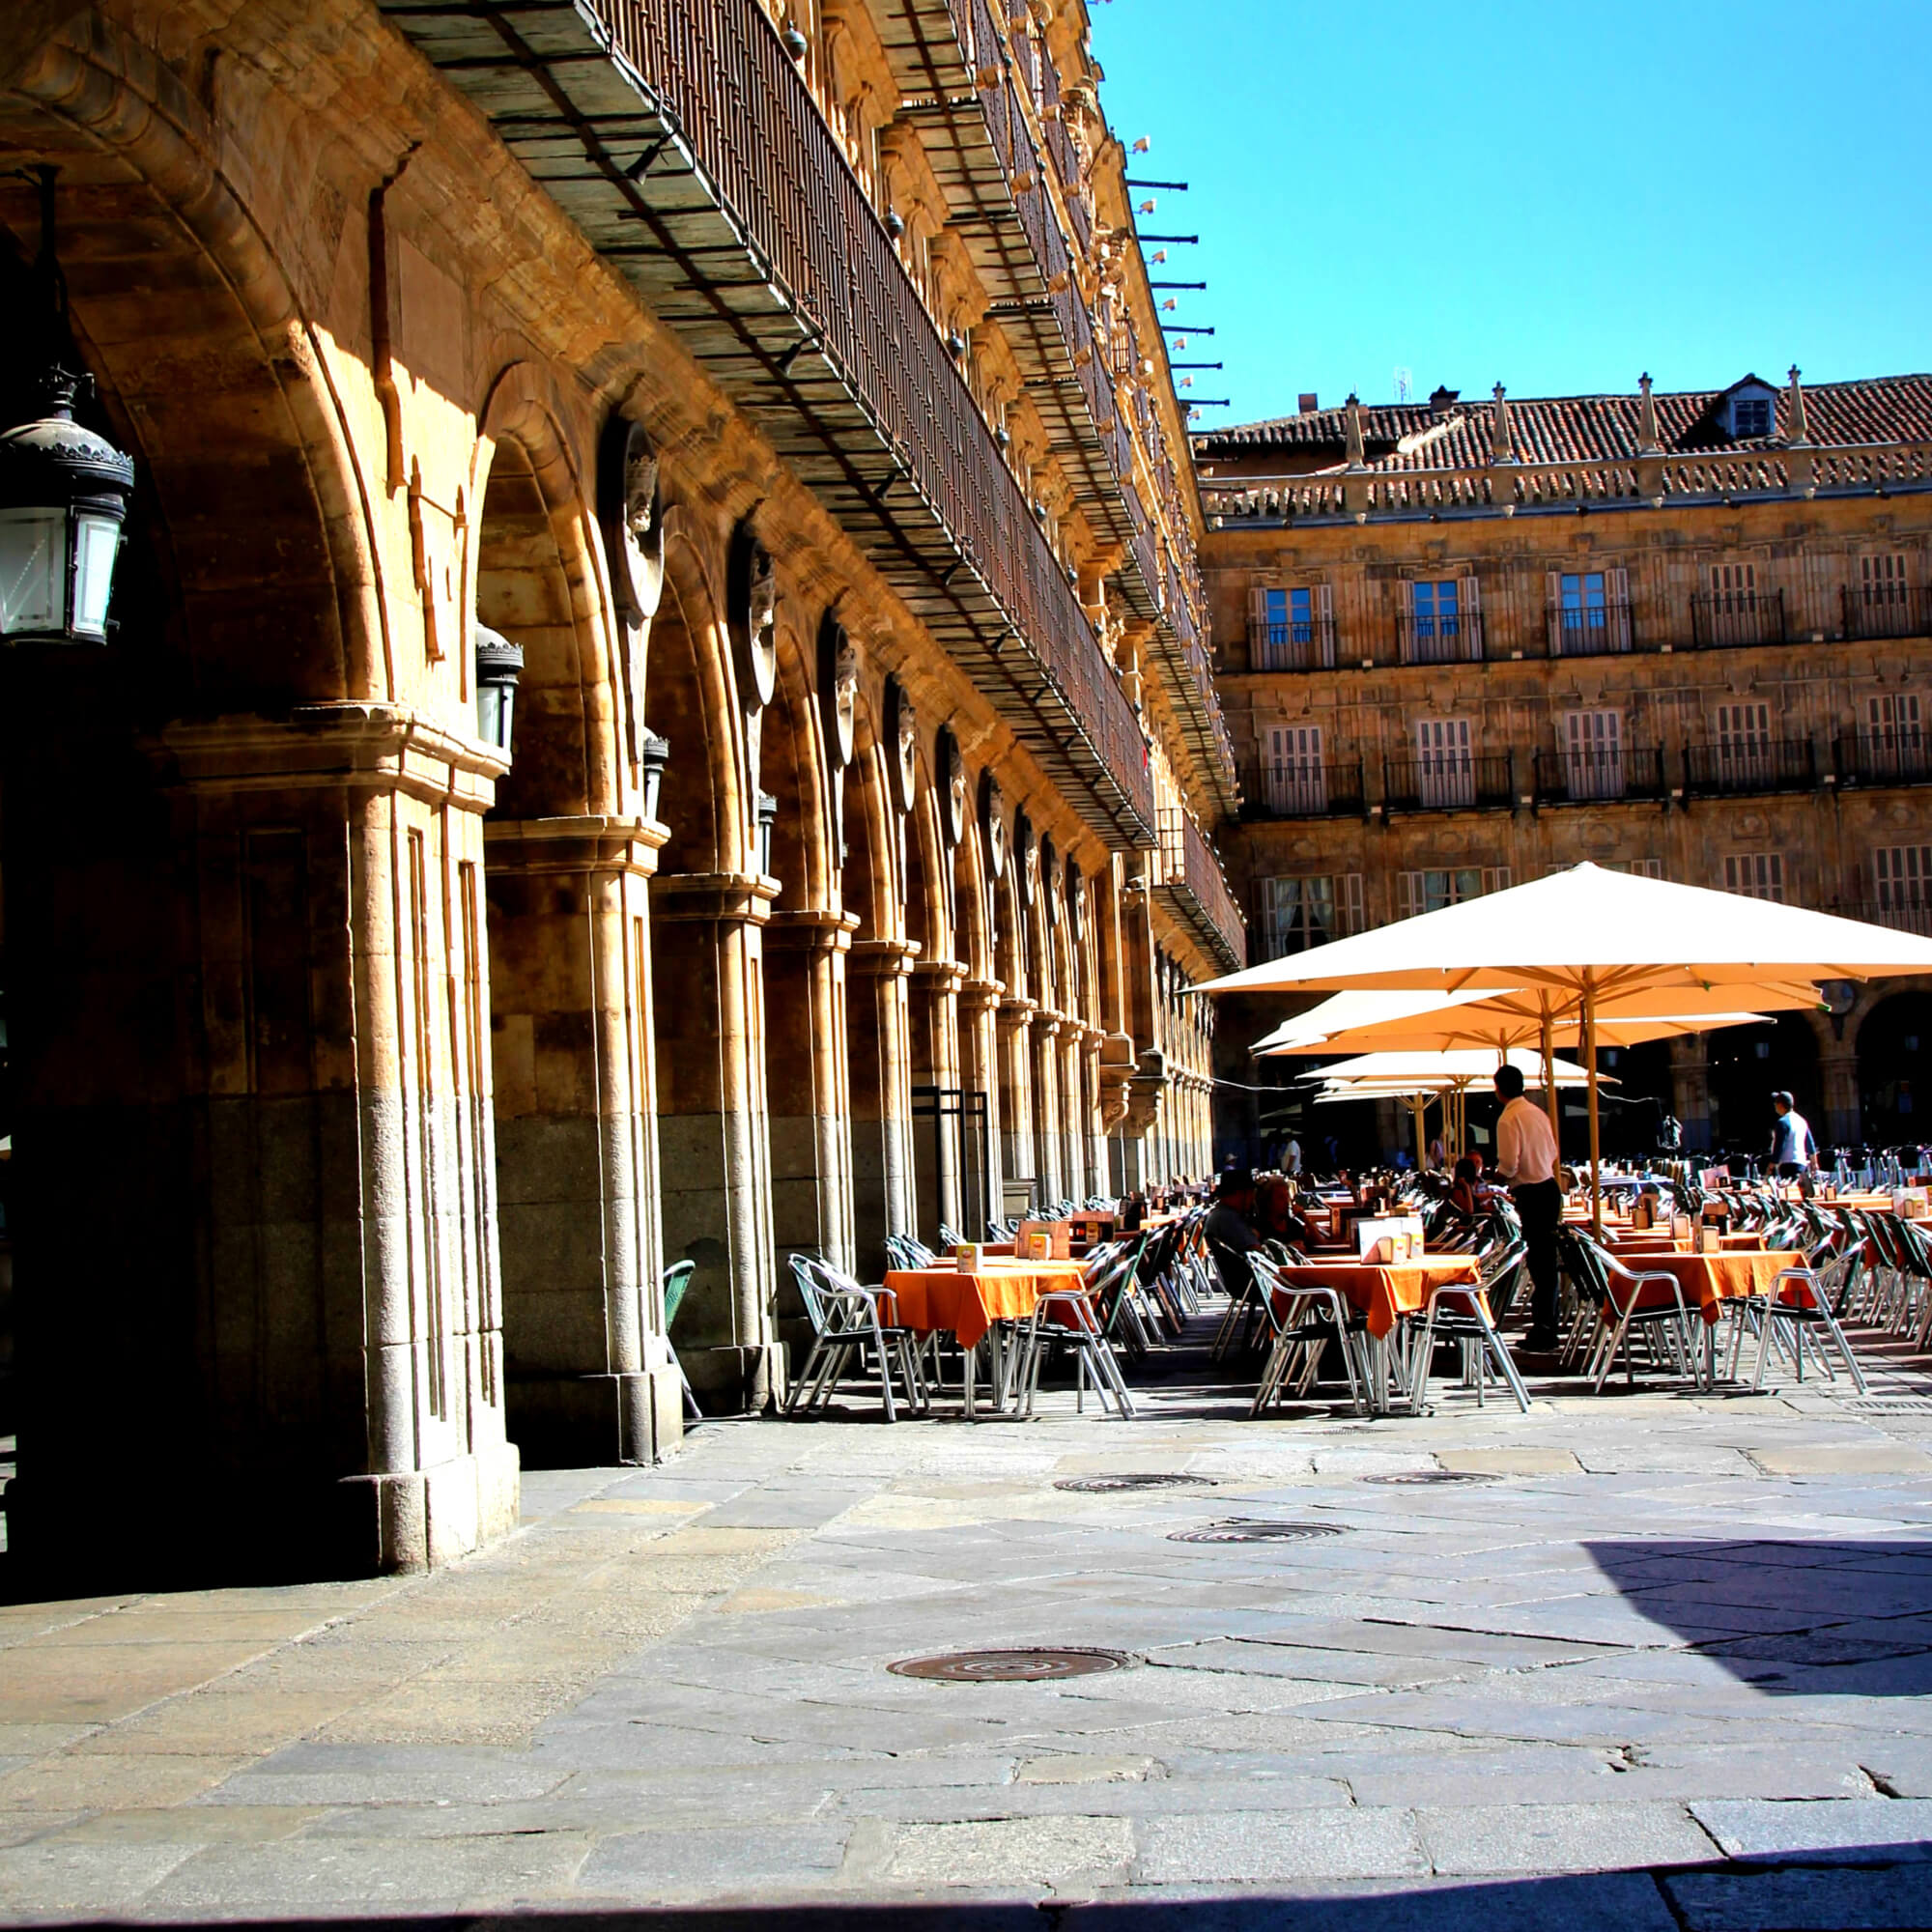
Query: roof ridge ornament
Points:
[1798, 430]
[1354, 406]
[1502, 437]
[1647, 444]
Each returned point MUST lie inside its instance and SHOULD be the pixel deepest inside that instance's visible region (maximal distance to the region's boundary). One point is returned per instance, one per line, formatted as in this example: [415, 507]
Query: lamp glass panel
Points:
[97, 541]
[494, 704]
[33, 564]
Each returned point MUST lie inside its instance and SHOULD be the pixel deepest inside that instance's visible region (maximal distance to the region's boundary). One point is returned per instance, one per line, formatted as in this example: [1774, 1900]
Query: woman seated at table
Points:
[1467, 1192]
[1275, 1215]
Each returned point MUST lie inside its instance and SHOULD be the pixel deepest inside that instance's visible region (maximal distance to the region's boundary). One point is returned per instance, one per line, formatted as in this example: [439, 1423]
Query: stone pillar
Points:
[881, 1061]
[1093, 1128]
[1042, 1031]
[1019, 1158]
[979, 1072]
[1844, 1115]
[708, 997]
[1690, 1087]
[587, 1377]
[808, 1085]
[934, 1002]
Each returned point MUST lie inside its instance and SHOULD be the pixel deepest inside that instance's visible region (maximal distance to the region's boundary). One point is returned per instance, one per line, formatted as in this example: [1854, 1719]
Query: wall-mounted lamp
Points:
[657, 755]
[768, 817]
[500, 664]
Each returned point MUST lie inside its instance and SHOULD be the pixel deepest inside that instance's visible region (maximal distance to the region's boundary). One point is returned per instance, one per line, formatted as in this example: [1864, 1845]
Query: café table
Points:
[1383, 1292]
[974, 1306]
[1712, 1280]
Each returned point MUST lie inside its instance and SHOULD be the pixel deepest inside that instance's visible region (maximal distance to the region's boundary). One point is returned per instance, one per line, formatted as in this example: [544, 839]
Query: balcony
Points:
[1750, 765]
[1440, 641]
[683, 141]
[1589, 629]
[1186, 877]
[1309, 645]
[1736, 618]
[1272, 790]
[1449, 783]
[1913, 916]
[1886, 610]
[1592, 777]
[1900, 758]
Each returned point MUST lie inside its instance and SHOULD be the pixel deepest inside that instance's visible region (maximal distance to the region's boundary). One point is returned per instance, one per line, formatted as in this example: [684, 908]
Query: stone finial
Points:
[1798, 430]
[1647, 444]
[1502, 438]
[1356, 460]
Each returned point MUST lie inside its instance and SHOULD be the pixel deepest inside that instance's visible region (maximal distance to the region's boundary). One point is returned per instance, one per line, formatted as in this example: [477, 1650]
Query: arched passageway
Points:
[1894, 1049]
[1747, 1066]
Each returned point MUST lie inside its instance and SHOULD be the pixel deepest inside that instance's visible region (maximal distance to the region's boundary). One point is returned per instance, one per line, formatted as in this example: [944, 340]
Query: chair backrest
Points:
[950, 1237]
[1236, 1276]
[804, 1275]
[676, 1279]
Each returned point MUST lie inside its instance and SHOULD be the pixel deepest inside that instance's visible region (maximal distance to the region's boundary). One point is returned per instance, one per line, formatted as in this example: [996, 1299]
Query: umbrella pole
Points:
[1590, 1068]
[1549, 1105]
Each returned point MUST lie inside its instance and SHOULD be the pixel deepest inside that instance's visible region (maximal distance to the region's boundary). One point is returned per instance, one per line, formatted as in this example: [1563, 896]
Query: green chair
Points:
[677, 1278]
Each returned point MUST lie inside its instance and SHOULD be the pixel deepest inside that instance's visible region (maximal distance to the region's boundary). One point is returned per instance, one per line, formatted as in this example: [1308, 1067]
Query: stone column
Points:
[709, 997]
[1844, 1115]
[881, 1060]
[1019, 1158]
[1093, 1128]
[587, 1377]
[934, 1001]
[1043, 1030]
[808, 1082]
[979, 1072]
[1691, 1087]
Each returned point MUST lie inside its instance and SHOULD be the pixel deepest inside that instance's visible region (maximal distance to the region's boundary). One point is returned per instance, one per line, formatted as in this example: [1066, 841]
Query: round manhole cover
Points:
[1410, 1477]
[1099, 1486]
[1248, 1529]
[1010, 1667]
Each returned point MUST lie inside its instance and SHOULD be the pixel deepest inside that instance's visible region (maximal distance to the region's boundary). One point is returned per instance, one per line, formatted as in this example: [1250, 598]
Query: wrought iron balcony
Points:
[1590, 777]
[1882, 757]
[1187, 878]
[683, 141]
[1440, 639]
[1449, 783]
[1738, 617]
[1308, 646]
[1886, 611]
[1589, 629]
[1273, 789]
[1750, 765]
[1902, 916]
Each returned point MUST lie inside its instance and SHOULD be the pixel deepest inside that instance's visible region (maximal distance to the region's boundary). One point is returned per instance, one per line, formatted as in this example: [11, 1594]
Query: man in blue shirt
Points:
[1792, 1148]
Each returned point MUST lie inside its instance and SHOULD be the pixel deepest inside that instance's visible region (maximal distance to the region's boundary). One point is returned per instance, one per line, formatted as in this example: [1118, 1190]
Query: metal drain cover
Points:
[1010, 1667]
[1406, 1477]
[1893, 1404]
[1252, 1529]
[1107, 1485]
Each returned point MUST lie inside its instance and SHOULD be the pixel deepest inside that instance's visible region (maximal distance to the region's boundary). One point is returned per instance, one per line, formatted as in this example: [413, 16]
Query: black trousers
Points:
[1539, 1205]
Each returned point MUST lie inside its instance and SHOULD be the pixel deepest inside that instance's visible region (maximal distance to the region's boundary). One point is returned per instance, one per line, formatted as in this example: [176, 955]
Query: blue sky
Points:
[1557, 195]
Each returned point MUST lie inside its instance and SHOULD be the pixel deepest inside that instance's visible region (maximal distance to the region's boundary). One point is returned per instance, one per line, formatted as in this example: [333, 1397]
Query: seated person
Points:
[1274, 1213]
[1468, 1191]
[1230, 1229]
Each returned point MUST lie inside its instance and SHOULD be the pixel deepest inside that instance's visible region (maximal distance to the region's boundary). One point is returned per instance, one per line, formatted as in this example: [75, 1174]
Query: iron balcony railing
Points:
[1309, 645]
[1303, 788]
[1589, 629]
[1589, 776]
[1901, 914]
[1738, 617]
[1901, 756]
[1449, 783]
[1440, 639]
[1751, 764]
[1886, 611]
[1188, 878]
[683, 140]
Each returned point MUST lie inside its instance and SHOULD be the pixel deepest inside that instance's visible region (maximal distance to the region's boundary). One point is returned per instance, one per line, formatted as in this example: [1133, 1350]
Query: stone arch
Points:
[1748, 1065]
[1895, 1069]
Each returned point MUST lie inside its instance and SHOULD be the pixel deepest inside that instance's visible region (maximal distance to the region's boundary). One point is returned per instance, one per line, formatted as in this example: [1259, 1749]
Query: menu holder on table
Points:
[1042, 1241]
[969, 1256]
[1388, 1240]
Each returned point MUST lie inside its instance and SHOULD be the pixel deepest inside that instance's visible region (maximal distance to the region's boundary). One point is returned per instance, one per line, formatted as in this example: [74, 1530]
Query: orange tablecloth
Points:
[1715, 1279]
[966, 1304]
[1651, 1240]
[1385, 1292]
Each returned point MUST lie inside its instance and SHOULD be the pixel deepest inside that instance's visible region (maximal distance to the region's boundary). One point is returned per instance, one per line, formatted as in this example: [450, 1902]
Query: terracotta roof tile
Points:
[1558, 428]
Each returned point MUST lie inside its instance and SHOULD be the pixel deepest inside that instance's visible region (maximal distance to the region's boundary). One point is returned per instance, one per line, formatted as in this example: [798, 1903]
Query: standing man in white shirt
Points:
[1526, 1158]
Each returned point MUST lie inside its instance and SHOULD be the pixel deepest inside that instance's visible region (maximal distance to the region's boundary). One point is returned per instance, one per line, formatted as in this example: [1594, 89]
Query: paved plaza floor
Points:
[1654, 1659]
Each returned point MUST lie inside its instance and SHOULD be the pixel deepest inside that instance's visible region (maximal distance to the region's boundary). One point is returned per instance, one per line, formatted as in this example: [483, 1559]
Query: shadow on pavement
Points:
[1849, 1618]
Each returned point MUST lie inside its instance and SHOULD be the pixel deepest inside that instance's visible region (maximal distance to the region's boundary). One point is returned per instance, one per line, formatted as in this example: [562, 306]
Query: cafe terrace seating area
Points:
[1384, 1299]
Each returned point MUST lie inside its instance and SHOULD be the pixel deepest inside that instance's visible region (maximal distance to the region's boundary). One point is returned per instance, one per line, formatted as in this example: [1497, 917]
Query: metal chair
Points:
[1471, 1325]
[844, 1320]
[676, 1279]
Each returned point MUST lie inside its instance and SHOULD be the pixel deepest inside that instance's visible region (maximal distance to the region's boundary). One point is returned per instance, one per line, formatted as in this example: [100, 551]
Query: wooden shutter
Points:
[1405, 605]
[1496, 878]
[1617, 613]
[1323, 602]
[1259, 658]
[1351, 902]
[1470, 619]
[1407, 894]
[1552, 611]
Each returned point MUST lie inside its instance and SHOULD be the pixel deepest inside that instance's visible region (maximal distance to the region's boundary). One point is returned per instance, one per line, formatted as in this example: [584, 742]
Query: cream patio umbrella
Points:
[1588, 937]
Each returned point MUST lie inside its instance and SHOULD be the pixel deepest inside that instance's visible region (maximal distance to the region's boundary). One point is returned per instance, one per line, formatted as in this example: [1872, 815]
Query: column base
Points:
[737, 1381]
[427, 1518]
[592, 1422]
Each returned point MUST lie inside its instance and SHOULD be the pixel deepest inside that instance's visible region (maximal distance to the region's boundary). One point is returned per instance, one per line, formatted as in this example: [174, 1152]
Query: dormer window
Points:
[1747, 411]
[1751, 415]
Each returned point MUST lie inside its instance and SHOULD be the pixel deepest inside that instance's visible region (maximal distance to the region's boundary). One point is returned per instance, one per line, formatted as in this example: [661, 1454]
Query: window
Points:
[1904, 876]
[1758, 875]
[1429, 891]
[1299, 913]
[1881, 581]
[1743, 745]
[1439, 622]
[1751, 415]
[1445, 774]
[1589, 612]
[1293, 779]
[1592, 753]
[1291, 629]
[1736, 612]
